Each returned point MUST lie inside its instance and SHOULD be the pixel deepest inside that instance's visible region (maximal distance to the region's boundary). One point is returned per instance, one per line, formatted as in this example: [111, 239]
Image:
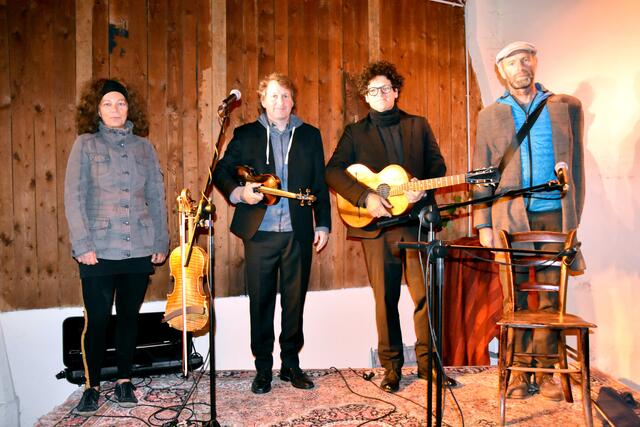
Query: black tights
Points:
[98, 294]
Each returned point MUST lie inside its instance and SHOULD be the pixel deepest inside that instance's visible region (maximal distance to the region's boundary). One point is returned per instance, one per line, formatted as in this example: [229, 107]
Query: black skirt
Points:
[108, 267]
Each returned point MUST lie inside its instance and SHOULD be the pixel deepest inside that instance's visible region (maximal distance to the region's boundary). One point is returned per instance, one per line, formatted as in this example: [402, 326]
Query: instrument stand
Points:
[437, 250]
[210, 211]
[205, 206]
[430, 217]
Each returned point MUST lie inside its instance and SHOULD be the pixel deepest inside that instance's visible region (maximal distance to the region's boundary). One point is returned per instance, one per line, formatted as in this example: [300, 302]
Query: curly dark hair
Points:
[282, 79]
[379, 68]
[87, 118]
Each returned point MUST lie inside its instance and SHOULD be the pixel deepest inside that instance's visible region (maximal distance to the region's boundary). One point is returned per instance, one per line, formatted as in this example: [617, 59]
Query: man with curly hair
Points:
[388, 135]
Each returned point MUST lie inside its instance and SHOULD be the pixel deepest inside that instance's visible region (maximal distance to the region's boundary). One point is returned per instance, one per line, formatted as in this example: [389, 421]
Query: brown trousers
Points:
[528, 340]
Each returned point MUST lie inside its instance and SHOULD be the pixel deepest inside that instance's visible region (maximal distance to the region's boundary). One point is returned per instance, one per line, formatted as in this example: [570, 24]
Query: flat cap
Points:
[514, 47]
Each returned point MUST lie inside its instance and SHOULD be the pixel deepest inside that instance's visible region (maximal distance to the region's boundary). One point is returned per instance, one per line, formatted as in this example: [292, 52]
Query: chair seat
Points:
[542, 319]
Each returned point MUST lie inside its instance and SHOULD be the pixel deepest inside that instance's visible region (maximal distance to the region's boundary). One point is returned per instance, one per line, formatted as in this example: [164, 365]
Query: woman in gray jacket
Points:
[115, 207]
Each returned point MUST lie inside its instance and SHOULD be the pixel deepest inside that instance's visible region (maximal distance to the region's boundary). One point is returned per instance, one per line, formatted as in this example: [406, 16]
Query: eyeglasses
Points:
[373, 91]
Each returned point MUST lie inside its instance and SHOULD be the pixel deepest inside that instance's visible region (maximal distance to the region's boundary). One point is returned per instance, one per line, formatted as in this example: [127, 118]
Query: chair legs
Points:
[505, 361]
[586, 377]
[565, 379]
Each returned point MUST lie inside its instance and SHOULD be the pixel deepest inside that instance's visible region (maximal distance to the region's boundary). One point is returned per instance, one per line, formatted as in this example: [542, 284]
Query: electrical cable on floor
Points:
[395, 408]
[419, 405]
[152, 418]
[108, 393]
[368, 379]
[178, 409]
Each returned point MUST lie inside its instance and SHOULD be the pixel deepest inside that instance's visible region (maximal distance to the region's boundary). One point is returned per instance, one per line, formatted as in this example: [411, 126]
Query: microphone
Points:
[562, 172]
[234, 96]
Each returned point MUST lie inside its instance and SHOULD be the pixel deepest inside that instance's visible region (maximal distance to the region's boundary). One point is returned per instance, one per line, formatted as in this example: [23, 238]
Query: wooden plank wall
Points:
[184, 57]
[327, 42]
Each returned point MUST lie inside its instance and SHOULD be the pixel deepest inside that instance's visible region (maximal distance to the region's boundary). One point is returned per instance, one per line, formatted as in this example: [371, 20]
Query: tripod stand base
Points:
[212, 423]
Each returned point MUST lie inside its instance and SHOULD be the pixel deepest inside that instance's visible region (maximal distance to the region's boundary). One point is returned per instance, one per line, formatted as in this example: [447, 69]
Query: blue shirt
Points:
[536, 151]
[278, 218]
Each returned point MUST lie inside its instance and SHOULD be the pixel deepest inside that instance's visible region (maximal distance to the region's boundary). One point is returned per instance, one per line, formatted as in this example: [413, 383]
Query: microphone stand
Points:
[435, 271]
[205, 206]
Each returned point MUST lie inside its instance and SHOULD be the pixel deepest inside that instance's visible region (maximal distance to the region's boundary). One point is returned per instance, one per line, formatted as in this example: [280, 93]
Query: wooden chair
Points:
[560, 322]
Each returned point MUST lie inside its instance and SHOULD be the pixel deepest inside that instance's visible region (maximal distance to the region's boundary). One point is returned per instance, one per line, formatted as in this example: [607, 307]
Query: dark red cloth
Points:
[472, 306]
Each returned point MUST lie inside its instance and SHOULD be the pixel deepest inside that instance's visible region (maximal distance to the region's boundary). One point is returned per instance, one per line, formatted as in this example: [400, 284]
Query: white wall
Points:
[587, 48]
[339, 331]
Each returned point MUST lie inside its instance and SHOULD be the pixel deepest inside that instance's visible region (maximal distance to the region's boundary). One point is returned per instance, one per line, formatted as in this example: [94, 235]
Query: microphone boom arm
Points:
[204, 204]
[547, 186]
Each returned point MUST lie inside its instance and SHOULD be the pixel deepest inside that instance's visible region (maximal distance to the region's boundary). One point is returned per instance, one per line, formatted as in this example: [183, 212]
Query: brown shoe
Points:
[519, 386]
[549, 388]
[391, 380]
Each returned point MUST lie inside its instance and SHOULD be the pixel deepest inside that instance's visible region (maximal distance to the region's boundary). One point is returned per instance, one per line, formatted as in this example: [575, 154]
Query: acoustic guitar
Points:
[271, 187]
[393, 181]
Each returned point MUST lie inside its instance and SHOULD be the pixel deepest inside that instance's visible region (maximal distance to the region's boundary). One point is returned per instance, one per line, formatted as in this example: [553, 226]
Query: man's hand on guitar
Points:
[377, 206]
[414, 196]
[246, 193]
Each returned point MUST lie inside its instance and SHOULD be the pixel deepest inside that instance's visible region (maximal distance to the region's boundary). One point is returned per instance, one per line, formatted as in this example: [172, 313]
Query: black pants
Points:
[271, 260]
[385, 264]
[98, 294]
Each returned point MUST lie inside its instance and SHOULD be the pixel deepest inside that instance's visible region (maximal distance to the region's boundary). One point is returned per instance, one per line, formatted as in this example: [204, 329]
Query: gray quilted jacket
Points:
[114, 196]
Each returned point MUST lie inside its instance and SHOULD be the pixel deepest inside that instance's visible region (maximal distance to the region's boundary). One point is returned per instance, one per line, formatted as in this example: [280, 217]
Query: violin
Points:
[271, 187]
[187, 308]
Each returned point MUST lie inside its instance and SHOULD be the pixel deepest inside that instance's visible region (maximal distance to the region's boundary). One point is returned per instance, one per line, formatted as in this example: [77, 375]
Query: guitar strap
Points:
[521, 135]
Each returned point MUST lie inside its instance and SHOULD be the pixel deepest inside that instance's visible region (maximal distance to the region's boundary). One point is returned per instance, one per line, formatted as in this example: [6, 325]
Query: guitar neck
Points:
[428, 184]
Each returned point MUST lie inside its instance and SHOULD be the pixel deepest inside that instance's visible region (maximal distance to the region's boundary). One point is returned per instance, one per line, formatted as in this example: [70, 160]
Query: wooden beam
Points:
[84, 45]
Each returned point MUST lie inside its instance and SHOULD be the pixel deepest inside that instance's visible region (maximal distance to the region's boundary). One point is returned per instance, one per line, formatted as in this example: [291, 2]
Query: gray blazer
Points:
[114, 196]
[495, 133]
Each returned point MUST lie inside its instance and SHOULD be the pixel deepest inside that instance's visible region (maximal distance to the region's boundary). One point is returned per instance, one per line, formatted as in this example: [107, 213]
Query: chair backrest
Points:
[565, 242]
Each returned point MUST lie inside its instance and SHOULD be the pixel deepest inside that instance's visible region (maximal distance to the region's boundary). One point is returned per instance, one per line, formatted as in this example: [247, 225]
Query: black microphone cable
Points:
[440, 364]
[394, 407]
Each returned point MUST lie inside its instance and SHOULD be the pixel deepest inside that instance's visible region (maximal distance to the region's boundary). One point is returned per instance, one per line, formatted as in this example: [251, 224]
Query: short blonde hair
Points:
[282, 79]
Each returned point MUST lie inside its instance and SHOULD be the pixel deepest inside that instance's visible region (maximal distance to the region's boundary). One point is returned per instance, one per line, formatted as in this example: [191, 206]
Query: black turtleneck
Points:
[388, 125]
[386, 118]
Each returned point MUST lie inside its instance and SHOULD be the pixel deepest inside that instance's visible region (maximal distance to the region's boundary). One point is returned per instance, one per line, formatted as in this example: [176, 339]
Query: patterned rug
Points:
[340, 398]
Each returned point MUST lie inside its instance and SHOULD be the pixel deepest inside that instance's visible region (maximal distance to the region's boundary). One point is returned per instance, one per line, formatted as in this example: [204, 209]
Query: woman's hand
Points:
[158, 258]
[88, 258]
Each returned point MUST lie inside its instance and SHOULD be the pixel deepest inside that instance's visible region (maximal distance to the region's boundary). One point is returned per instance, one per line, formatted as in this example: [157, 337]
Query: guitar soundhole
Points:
[383, 190]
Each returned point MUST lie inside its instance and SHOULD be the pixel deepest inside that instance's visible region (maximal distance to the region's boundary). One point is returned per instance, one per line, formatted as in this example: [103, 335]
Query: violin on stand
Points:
[195, 307]
[187, 307]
